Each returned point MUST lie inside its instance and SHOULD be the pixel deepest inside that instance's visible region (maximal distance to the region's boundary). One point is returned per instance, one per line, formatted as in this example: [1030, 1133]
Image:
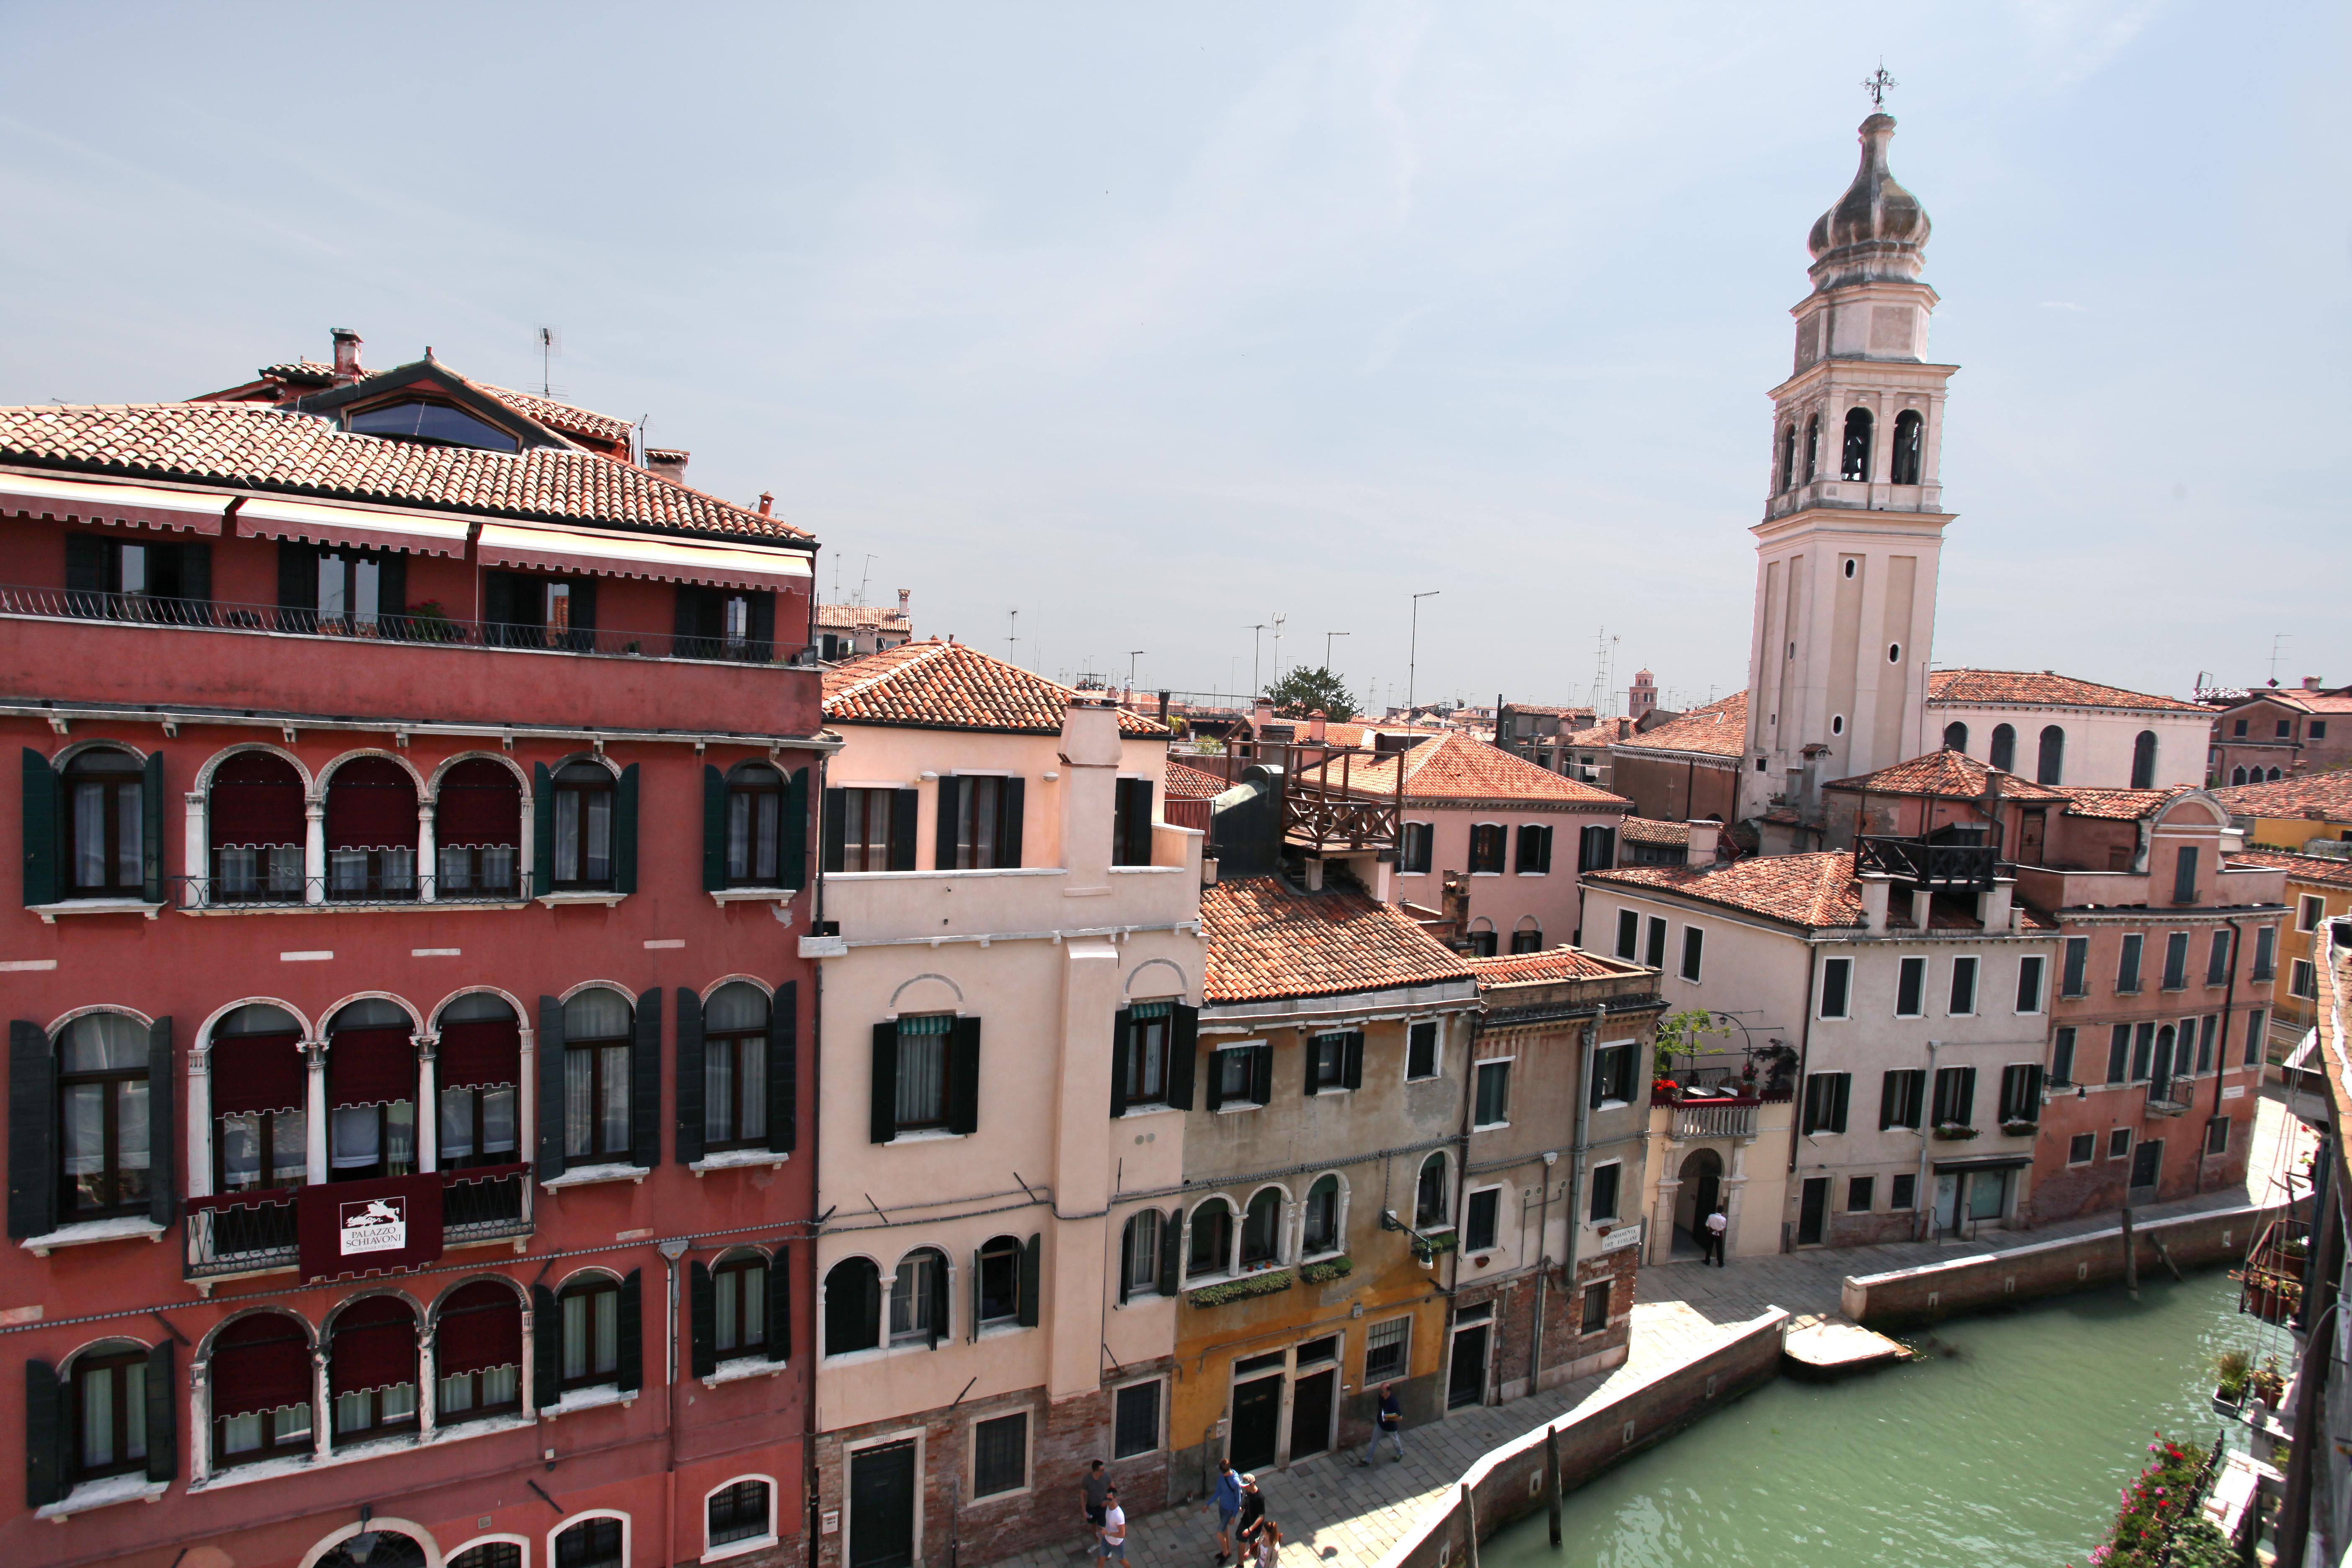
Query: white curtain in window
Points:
[922, 1076]
[497, 1121]
[719, 1090]
[613, 1114]
[579, 1102]
[240, 1142]
[84, 1129]
[90, 835]
[567, 836]
[598, 847]
[131, 1125]
[456, 1123]
[103, 1042]
[358, 1136]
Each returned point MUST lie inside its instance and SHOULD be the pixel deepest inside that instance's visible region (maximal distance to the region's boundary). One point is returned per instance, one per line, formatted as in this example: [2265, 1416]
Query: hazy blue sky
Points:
[1156, 320]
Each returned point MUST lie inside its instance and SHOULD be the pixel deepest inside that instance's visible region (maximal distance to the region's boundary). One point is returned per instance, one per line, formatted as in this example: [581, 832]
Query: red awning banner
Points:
[374, 1346]
[481, 1326]
[606, 552]
[257, 798]
[483, 1053]
[260, 1362]
[418, 532]
[477, 802]
[370, 1067]
[258, 1072]
[119, 506]
[371, 805]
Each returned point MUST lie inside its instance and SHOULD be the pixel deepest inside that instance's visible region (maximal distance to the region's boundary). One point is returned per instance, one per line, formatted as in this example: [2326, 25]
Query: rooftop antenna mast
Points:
[864, 578]
[1011, 631]
[550, 343]
[2276, 639]
[1604, 644]
[1278, 621]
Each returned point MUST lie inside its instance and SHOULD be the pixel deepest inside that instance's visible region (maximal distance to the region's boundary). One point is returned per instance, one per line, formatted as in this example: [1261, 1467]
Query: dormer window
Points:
[432, 425]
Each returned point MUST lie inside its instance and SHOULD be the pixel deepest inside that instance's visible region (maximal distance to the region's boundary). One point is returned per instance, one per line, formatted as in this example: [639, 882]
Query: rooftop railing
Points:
[1929, 867]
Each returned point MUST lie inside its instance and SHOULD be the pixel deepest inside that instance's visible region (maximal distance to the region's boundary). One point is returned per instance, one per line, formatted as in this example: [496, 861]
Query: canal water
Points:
[2003, 1446]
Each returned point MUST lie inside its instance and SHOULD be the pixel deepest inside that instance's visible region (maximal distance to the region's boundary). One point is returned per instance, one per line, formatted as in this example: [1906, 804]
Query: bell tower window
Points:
[1910, 430]
[1813, 448]
[1854, 463]
[1787, 458]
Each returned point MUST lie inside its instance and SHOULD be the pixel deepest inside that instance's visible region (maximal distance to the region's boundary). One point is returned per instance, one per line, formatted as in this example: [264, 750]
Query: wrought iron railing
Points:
[264, 890]
[147, 609]
[1935, 868]
[485, 1202]
[240, 1232]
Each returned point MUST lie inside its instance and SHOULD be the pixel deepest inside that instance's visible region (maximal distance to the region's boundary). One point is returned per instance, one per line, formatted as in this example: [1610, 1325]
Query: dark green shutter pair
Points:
[1351, 1061]
[1010, 798]
[1172, 1233]
[33, 1130]
[547, 1341]
[963, 1082]
[1534, 849]
[793, 855]
[1184, 1051]
[1261, 1068]
[542, 822]
[702, 1298]
[904, 803]
[44, 820]
[783, 1074]
[50, 1434]
[645, 1085]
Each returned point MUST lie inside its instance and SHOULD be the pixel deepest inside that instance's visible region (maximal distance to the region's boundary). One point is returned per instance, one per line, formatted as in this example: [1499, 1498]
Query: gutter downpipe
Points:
[1797, 1099]
[1926, 1132]
[671, 1251]
[811, 1502]
[2222, 1047]
[1583, 1130]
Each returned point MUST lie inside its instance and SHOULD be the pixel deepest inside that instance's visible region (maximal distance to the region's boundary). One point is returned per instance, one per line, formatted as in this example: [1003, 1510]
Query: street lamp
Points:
[1412, 654]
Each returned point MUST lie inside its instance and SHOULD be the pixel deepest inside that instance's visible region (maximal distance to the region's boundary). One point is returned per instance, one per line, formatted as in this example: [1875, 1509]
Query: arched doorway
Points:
[375, 1549]
[1701, 1183]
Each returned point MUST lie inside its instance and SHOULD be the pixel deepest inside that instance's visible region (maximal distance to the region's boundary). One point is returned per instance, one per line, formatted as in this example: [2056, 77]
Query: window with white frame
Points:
[1605, 1192]
[1694, 951]
[739, 1512]
[1963, 997]
[1494, 1093]
[1837, 986]
[1482, 1219]
[2029, 984]
[1386, 1345]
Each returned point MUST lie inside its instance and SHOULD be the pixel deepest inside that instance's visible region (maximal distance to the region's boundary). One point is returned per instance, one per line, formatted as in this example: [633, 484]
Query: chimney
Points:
[1456, 903]
[2311, 683]
[1703, 838]
[1313, 874]
[1262, 713]
[1923, 904]
[1090, 754]
[1315, 725]
[1163, 703]
[767, 503]
[1994, 904]
[347, 354]
[667, 462]
[904, 594]
[1875, 887]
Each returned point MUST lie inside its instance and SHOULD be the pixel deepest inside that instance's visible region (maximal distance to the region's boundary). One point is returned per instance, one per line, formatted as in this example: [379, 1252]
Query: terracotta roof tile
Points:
[2299, 868]
[1455, 766]
[2320, 797]
[1718, 730]
[2116, 804]
[936, 685]
[1818, 890]
[1266, 942]
[563, 416]
[1948, 773]
[1185, 783]
[251, 447]
[864, 617]
[2042, 688]
[1646, 830]
[1552, 964]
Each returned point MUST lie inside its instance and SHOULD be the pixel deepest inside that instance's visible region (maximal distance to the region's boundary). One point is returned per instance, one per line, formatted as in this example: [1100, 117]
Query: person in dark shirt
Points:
[1092, 1489]
[1252, 1514]
[1390, 1424]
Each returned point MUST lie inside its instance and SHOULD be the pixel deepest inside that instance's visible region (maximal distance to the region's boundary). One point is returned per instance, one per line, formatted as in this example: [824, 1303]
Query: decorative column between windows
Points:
[429, 877]
[199, 886]
[322, 1407]
[530, 1357]
[429, 1387]
[314, 1115]
[428, 1101]
[314, 851]
[200, 1421]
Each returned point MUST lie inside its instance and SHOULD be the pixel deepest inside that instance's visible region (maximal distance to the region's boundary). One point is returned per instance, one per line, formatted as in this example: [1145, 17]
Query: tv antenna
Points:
[864, 578]
[2276, 639]
[1604, 646]
[1011, 631]
[550, 343]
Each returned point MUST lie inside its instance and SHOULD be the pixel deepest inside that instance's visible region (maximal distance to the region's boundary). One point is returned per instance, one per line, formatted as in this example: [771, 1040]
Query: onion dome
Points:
[1877, 226]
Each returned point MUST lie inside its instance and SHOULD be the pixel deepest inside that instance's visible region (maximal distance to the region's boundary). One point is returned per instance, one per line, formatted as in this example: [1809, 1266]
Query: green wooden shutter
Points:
[32, 1131]
[1031, 1269]
[963, 1078]
[690, 1114]
[1262, 1074]
[151, 830]
[298, 586]
[796, 812]
[833, 834]
[943, 851]
[162, 1123]
[1125, 1257]
[1008, 834]
[1171, 1250]
[763, 626]
[1215, 1098]
[938, 1292]
[550, 1046]
[1184, 1054]
[1843, 1086]
[702, 1305]
[542, 832]
[392, 583]
[631, 1335]
[645, 1082]
[784, 1068]
[1889, 1090]
[1310, 1050]
[904, 805]
[624, 832]
[1543, 848]
[779, 1305]
[1351, 1072]
[883, 1113]
[41, 830]
[714, 829]
[163, 1431]
[1966, 1096]
[584, 614]
[546, 1345]
[46, 1427]
[1122, 1031]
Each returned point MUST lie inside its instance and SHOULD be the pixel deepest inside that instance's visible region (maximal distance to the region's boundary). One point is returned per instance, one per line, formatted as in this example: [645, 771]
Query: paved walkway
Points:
[1332, 1511]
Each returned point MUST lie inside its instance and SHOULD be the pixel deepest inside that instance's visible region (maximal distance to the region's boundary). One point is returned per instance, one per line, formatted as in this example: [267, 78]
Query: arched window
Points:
[918, 1297]
[739, 1305]
[1482, 937]
[739, 1510]
[480, 1066]
[1320, 1232]
[1211, 1238]
[581, 855]
[373, 1548]
[107, 845]
[1854, 461]
[755, 813]
[853, 1306]
[2004, 748]
[590, 1307]
[103, 1108]
[489, 1554]
[2051, 764]
[735, 1068]
[477, 831]
[597, 1027]
[371, 1369]
[370, 831]
[259, 1379]
[371, 1092]
[2238, 774]
[260, 1100]
[1429, 1206]
[1147, 1255]
[591, 1543]
[1955, 736]
[1262, 1228]
[1788, 471]
[255, 823]
[2271, 777]
[478, 1353]
[1813, 448]
[1001, 1284]
[1528, 937]
[106, 1409]
[2144, 760]
[1910, 435]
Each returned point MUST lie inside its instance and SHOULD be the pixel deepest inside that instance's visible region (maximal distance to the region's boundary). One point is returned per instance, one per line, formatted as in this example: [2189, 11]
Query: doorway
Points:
[1257, 1419]
[882, 1506]
[1312, 1396]
[2147, 1167]
[2028, 837]
[1812, 1211]
[375, 1549]
[1700, 1188]
[1466, 1377]
[1987, 1196]
[1948, 1204]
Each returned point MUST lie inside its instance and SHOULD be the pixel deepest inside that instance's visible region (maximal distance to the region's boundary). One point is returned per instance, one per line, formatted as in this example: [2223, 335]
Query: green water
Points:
[2003, 1447]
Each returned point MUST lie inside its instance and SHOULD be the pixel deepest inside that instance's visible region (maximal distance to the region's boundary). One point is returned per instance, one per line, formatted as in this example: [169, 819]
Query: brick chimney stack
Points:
[904, 594]
[347, 356]
[667, 462]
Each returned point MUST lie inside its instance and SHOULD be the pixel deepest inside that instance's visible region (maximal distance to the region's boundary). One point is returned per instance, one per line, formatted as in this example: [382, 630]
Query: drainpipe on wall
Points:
[1926, 1132]
[2222, 1045]
[671, 1250]
[811, 1503]
[1796, 1099]
[1543, 1276]
[1583, 1139]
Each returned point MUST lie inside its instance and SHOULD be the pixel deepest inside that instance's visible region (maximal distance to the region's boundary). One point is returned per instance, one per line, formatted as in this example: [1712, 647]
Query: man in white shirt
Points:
[1112, 1546]
[1717, 1225]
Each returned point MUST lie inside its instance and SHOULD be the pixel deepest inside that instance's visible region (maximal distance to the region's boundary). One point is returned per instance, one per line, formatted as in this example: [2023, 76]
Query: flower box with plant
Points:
[1953, 1132]
[2155, 1507]
[1324, 1268]
[1663, 1090]
[2230, 1369]
[1271, 1282]
[2018, 1127]
[1425, 1247]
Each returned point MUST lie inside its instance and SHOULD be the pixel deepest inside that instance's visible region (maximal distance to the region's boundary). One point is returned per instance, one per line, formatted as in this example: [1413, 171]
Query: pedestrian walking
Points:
[1253, 1515]
[1227, 1499]
[1269, 1542]
[1389, 1422]
[1094, 1492]
[1717, 1224]
[1110, 1544]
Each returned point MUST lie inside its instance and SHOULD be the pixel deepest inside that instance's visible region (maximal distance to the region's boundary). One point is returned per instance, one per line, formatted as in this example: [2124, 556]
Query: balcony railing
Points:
[146, 609]
[483, 1202]
[1719, 1118]
[266, 890]
[1926, 866]
[242, 1233]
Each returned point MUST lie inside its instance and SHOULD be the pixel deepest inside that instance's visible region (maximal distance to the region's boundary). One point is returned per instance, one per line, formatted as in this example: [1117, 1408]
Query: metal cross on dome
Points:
[1875, 84]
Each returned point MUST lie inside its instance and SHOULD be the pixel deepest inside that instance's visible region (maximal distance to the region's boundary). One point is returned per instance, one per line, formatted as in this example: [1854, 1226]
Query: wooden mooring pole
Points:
[1470, 1518]
[1551, 1480]
[2131, 1256]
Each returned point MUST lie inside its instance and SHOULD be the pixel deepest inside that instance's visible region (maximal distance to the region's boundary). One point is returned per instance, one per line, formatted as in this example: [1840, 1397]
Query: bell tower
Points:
[1854, 518]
